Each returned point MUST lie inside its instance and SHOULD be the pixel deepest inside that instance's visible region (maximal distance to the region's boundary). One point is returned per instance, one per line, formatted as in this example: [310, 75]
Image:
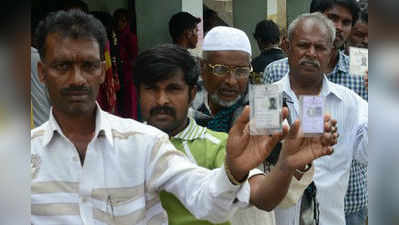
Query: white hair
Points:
[318, 17]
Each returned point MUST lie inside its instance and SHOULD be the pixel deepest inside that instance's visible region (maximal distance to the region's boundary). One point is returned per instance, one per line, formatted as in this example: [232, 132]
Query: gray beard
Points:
[216, 100]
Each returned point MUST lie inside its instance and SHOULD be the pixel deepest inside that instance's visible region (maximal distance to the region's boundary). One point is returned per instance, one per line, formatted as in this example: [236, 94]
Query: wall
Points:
[107, 5]
[246, 14]
[295, 8]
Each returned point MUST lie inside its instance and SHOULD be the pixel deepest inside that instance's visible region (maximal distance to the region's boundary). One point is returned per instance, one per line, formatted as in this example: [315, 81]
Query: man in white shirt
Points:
[311, 38]
[90, 167]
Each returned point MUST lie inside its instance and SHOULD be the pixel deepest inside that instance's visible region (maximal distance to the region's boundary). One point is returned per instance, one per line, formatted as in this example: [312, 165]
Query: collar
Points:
[191, 132]
[103, 127]
[328, 88]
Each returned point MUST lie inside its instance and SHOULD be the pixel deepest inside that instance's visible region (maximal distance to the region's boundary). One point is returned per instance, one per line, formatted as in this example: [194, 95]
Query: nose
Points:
[163, 98]
[231, 78]
[77, 77]
[338, 25]
[311, 52]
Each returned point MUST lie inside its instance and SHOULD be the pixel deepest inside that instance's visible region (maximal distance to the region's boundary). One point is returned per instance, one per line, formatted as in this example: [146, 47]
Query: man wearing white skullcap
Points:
[225, 69]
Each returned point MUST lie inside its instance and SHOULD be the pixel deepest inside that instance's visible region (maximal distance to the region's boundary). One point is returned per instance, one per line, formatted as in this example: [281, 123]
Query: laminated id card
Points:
[312, 114]
[266, 104]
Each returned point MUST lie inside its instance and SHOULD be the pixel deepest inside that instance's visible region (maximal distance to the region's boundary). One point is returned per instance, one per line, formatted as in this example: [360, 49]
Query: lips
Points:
[230, 93]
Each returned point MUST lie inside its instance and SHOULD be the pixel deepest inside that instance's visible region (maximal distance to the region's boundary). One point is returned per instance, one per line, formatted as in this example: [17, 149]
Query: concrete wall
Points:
[246, 14]
[107, 5]
[295, 8]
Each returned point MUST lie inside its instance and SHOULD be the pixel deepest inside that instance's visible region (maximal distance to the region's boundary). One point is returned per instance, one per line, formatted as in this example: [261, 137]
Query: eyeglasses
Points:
[238, 71]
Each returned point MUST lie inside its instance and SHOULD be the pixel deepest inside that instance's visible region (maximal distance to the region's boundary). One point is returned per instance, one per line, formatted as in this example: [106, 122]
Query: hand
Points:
[298, 151]
[245, 152]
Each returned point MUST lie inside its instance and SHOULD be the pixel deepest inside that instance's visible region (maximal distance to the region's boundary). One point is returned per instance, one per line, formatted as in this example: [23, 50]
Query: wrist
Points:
[235, 177]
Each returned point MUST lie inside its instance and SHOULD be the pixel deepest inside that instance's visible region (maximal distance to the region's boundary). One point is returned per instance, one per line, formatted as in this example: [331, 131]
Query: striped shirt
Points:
[126, 166]
[332, 172]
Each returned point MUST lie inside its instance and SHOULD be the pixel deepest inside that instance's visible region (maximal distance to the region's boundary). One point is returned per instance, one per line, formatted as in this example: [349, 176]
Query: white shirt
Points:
[332, 172]
[127, 164]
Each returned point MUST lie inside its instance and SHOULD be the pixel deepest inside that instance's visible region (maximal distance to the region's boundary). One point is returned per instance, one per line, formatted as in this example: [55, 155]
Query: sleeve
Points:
[267, 74]
[360, 133]
[207, 194]
[296, 189]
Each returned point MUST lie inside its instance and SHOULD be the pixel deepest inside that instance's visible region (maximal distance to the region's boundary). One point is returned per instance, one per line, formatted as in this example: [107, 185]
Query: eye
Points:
[62, 66]
[242, 71]
[219, 69]
[90, 66]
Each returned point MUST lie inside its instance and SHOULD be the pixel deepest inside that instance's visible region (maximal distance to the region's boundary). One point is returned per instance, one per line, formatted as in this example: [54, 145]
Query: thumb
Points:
[293, 132]
[241, 122]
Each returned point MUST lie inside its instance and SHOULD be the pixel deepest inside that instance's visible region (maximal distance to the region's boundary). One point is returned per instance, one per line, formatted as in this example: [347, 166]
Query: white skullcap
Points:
[223, 38]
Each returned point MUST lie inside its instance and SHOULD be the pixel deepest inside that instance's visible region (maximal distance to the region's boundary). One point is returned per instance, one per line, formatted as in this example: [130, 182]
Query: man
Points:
[225, 68]
[170, 70]
[310, 39]
[183, 29]
[91, 167]
[267, 35]
[356, 199]
[359, 36]
[344, 14]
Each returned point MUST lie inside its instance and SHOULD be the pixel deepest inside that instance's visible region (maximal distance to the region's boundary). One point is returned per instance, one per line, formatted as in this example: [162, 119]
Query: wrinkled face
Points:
[309, 49]
[165, 104]
[226, 89]
[342, 19]
[360, 35]
[72, 71]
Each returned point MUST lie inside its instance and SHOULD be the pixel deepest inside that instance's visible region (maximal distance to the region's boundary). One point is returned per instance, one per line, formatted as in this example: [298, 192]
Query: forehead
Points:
[69, 48]
[231, 58]
[176, 78]
[309, 29]
[339, 10]
[361, 26]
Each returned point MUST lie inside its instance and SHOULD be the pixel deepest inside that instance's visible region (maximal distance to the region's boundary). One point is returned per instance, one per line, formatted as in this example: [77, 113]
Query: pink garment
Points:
[128, 51]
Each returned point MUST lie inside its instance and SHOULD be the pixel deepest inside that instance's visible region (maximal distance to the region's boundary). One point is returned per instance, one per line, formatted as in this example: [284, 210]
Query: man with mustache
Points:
[167, 82]
[310, 43]
[91, 167]
[344, 14]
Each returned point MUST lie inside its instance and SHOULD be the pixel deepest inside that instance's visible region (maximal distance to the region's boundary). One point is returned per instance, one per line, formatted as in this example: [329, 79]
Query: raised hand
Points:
[245, 152]
[298, 150]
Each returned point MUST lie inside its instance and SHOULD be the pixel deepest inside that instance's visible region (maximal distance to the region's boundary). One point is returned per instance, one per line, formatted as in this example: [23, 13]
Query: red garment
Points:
[128, 51]
[107, 93]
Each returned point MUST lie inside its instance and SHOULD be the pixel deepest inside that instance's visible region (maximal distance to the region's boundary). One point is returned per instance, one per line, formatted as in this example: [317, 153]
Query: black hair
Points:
[180, 22]
[106, 19]
[70, 24]
[121, 13]
[324, 5]
[268, 32]
[364, 16]
[160, 63]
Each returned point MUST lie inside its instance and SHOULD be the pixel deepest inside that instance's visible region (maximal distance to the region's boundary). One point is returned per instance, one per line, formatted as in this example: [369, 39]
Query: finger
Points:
[285, 113]
[293, 132]
[241, 122]
[284, 131]
[327, 117]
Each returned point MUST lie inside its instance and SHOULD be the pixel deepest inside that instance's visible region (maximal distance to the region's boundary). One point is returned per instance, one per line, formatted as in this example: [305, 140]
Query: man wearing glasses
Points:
[225, 69]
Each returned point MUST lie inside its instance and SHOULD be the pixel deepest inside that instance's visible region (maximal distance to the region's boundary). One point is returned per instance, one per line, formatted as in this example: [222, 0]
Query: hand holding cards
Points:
[266, 105]
[311, 113]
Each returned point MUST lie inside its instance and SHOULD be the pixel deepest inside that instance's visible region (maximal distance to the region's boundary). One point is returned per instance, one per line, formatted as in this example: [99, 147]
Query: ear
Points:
[103, 70]
[41, 72]
[193, 93]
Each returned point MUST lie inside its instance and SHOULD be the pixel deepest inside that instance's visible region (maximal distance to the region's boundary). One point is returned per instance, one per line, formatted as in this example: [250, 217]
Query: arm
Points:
[297, 151]
[360, 133]
[208, 195]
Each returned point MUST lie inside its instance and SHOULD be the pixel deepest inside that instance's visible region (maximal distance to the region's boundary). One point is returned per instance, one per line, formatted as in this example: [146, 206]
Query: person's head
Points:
[360, 33]
[166, 78]
[226, 65]
[267, 34]
[75, 4]
[183, 29]
[121, 19]
[71, 47]
[343, 13]
[310, 41]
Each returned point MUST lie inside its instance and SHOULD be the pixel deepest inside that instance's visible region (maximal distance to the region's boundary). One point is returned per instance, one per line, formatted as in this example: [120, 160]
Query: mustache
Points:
[66, 91]
[163, 109]
[315, 63]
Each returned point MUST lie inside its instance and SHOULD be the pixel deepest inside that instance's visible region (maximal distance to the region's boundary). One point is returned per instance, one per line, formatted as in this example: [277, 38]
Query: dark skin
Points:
[188, 39]
[73, 71]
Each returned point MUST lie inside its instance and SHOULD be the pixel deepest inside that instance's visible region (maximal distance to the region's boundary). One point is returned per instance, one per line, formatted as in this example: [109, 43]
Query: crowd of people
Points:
[162, 137]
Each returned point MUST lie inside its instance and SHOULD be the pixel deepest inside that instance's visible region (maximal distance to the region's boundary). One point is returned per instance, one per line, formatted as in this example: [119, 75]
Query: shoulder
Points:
[278, 64]
[215, 137]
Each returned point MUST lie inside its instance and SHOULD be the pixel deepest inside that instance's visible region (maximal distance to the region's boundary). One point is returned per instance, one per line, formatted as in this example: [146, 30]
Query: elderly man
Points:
[311, 38]
[90, 167]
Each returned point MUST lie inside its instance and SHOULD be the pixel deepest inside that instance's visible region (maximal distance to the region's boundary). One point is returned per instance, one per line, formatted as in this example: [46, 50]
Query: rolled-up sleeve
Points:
[360, 134]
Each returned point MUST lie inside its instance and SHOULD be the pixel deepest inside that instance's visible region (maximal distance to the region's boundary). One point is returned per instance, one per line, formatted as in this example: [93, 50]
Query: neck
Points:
[302, 86]
[213, 107]
[180, 128]
[270, 46]
[333, 60]
[72, 125]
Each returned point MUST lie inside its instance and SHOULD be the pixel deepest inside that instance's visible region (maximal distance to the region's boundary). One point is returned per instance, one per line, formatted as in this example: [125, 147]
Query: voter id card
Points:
[358, 60]
[266, 104]
[312, 114]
